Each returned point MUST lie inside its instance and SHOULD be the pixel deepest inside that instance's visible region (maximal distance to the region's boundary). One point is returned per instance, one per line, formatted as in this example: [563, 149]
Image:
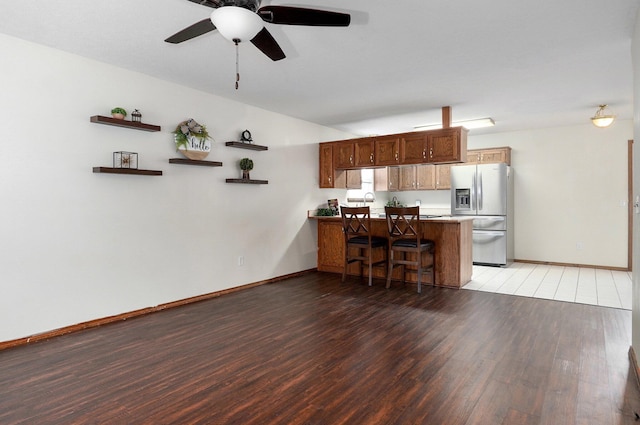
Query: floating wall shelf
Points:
[99, 119]
[247, 181]
[247, 146]
[195, 162]
[109, 170]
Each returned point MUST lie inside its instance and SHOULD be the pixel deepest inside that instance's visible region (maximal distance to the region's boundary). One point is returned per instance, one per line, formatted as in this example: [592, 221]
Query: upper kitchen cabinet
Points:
[387, 150]
[386, 179]
[364, 152]
[327, 178]
[490, 155]
[447, 145]
[414, 147]
[344, 154]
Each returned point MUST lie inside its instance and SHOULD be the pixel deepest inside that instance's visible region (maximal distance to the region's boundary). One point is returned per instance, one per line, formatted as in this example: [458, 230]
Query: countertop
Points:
[443, 219]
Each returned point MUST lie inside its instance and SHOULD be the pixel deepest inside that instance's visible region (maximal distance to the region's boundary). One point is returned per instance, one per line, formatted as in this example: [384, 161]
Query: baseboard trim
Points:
[590, 266]
[144, 311]
[634, 364]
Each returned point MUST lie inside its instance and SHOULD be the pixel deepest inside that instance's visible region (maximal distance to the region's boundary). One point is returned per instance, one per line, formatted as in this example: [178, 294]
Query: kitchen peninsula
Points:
[452, 236]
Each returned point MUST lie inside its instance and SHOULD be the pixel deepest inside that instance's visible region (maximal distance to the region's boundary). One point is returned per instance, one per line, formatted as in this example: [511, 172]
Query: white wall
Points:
[77, 246]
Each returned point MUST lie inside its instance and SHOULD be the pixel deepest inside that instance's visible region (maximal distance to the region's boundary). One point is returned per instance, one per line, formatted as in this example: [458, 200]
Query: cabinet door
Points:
[330, 246]
[393, 178]
[364, 152]
[496, 155]
[473, 156]
[425, 177]
[354, 179]
[448, 145]
[443, 176]
[387, 150]
[343, 153]
[326, 165]
[407, 178]
[413, 148]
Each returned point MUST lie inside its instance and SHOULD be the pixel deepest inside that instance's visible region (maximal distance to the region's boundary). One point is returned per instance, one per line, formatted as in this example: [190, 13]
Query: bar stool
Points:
[359, 244]
[404, 238]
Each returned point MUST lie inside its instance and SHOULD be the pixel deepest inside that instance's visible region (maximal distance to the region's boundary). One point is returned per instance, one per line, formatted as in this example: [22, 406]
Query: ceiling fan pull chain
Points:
[236, 41]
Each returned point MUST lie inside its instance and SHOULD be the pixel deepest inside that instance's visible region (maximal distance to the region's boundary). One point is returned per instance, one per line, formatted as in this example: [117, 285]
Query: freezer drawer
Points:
[490, 247]
[491, 222]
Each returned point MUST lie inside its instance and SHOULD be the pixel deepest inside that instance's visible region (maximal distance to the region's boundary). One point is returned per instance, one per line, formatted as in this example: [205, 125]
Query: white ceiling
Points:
[520, 62]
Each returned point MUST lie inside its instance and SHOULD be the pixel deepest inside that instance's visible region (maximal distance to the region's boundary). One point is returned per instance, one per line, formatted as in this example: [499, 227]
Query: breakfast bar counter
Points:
[452, 236]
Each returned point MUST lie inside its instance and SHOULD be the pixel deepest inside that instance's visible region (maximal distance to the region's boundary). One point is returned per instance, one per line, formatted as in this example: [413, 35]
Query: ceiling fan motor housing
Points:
[252, 5]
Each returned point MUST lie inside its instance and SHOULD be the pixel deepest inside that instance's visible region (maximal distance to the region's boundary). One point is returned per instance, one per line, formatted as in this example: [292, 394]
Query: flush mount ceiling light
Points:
[469, 124]
[601, 118]
[236, 23]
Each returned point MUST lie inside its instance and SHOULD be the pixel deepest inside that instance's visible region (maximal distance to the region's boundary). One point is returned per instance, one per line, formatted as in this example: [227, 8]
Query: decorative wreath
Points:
[190, 128]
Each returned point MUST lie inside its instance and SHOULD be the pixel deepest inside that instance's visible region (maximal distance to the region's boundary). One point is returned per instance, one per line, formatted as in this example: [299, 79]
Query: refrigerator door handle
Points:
[473, 193]
[480, 191]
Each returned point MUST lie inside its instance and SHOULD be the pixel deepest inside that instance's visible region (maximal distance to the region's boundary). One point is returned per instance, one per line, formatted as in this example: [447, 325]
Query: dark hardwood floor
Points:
[310, 350]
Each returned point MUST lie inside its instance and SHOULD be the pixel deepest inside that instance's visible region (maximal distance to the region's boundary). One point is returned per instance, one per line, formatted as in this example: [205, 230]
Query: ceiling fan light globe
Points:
[236, 23]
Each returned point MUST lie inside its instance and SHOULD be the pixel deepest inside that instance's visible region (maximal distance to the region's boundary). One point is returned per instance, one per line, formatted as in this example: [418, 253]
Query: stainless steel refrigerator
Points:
[485, 191]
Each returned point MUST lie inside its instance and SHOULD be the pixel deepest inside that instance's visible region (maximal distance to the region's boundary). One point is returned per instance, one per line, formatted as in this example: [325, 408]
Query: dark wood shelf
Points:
[186, 161]
[109, 170]
[99, 119]
[243, 145]
[247, 181]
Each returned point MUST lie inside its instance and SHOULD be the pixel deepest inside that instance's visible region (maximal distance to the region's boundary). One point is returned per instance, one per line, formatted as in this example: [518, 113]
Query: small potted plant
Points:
[246, 165]
[118, 113]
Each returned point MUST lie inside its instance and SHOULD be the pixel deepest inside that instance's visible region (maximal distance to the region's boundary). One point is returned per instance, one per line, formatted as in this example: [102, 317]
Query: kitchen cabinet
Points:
[447, 145]
[418, 177]
[364, 152]
[386, 179]
[387, 150]
[327, 170]
[414, 147]
[343, 155]
[330, 245]
[490, 155]
[443, 176]
[330, 177]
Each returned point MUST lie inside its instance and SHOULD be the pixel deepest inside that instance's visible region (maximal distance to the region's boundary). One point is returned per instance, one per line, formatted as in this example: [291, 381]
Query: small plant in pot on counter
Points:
[246, 165]
[118, 113]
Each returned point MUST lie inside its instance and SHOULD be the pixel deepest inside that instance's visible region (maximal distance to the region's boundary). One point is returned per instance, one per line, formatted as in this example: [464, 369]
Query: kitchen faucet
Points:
[364, 198]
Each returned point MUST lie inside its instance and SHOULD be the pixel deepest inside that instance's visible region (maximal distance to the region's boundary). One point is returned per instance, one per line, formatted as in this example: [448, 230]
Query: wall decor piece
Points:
[118, 113]
[245, 137]
[136, 116]
[192, 139]
[124, 159]
[246, 165]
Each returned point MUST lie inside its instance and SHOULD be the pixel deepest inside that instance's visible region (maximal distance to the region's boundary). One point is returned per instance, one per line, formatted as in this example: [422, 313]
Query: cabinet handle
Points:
[350, 159]
[329, 179]
[430, 152]
[371, 158]
[396, 156]
[424, 154]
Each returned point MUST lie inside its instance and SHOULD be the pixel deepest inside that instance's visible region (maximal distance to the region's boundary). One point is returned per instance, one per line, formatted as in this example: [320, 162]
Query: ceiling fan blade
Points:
[193, 31]
[268, 45]
[289, 15]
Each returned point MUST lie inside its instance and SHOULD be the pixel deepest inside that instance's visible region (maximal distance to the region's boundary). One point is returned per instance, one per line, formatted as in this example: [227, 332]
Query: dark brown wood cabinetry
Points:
[364, 152]
[444, 146]
[447, 145]
[387, 150]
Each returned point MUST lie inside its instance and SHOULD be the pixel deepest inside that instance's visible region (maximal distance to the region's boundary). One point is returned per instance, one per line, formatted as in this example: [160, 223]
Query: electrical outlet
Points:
[241, 260]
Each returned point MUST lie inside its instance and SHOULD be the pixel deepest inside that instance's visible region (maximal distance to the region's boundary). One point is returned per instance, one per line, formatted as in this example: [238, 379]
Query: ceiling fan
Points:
[243, 20]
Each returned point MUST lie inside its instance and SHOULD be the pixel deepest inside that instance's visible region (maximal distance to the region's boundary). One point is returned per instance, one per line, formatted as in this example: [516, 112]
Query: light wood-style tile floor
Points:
[606, 288]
